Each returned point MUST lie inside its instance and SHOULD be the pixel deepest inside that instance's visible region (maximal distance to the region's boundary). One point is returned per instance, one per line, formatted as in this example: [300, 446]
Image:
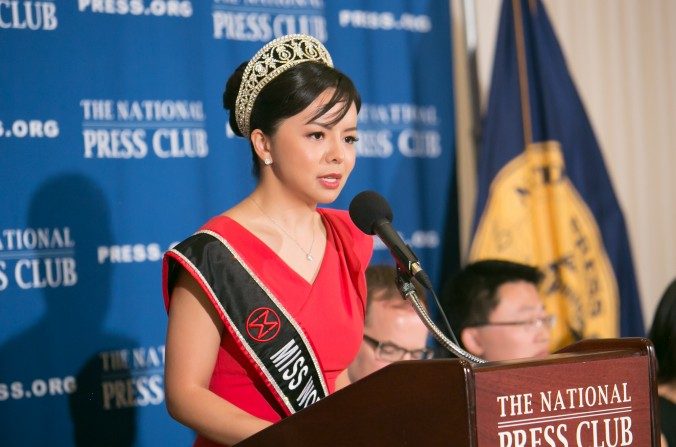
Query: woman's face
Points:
[313, 158]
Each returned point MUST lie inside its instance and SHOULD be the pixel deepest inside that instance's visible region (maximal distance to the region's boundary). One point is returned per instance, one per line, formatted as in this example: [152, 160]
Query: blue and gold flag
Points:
[544, 196]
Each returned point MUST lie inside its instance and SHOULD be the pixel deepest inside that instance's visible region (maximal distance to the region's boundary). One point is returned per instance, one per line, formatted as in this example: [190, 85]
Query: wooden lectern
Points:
[595, 393]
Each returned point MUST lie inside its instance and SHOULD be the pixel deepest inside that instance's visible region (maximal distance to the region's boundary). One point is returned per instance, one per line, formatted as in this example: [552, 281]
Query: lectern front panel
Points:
[594, 403]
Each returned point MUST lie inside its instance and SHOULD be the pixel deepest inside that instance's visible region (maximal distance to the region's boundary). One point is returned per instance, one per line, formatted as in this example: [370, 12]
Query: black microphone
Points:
[371, 213]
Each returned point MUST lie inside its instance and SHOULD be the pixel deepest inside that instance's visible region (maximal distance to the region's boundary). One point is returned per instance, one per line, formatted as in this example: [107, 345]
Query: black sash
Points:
[264, 330]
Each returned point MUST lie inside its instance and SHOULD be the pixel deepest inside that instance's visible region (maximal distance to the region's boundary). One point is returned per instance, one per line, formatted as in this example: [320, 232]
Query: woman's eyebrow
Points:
[330, 126]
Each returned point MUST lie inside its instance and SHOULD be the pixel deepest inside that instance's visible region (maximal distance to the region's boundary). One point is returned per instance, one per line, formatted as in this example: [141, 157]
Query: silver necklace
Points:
[308, 253]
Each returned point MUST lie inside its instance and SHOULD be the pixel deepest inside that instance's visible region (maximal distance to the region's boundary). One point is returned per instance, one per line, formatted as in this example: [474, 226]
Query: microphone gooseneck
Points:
[407, 290]
[371, 213]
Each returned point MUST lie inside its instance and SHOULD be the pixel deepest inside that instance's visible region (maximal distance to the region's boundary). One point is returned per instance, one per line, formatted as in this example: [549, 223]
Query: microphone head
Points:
[367, 208]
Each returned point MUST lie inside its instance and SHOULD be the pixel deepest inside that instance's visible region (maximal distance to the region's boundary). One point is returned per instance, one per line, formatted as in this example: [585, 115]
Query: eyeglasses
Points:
[390, 352]
[529, 325]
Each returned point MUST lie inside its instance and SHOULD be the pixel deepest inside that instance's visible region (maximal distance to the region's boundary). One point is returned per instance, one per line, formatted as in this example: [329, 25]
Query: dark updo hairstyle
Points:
[663, 335]
[289, 94]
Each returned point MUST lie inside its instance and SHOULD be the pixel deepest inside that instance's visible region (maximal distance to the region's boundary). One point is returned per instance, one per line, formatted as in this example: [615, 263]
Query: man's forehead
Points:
[391, 300]
[520, 296]
[383, 312]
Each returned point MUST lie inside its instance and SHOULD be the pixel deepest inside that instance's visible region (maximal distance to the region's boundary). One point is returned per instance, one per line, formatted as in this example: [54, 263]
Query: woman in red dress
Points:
[266, 301]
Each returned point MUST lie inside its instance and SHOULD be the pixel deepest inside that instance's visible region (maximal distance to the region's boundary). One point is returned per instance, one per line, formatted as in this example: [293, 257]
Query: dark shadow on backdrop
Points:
[69, 336]
[450, 264]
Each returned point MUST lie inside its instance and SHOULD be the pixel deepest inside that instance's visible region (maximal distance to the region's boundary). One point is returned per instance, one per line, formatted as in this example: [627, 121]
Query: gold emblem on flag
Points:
[535, 215]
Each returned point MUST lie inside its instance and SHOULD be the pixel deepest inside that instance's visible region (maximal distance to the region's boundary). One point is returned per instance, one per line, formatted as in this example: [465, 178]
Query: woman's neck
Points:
[284, 208]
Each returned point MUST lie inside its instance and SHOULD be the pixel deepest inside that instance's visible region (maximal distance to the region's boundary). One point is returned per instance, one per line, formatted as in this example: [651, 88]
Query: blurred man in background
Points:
[495, 309]
[392, 330]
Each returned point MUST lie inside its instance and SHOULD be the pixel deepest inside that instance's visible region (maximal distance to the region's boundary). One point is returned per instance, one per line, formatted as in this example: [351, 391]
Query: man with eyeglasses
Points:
[496, 311]
[392, 329]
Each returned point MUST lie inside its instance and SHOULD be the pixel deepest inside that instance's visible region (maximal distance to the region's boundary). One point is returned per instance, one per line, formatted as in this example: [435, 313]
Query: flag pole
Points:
[468, 8]
[523, 73]
[468, 120]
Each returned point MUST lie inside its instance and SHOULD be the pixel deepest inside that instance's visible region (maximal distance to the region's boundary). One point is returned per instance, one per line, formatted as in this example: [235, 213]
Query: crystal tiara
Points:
[272, 60]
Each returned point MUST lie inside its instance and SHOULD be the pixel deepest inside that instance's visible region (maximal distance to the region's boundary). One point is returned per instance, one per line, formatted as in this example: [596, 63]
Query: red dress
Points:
[330, 311]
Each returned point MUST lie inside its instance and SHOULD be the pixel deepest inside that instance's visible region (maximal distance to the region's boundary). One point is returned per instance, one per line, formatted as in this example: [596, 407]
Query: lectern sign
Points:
[603, 404]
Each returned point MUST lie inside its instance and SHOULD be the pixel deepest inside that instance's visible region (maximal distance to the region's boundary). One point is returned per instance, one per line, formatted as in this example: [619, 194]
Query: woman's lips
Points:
[330, 181]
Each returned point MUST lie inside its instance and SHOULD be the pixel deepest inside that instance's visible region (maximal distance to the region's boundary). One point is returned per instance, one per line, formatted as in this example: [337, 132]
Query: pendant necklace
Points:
[308, 253]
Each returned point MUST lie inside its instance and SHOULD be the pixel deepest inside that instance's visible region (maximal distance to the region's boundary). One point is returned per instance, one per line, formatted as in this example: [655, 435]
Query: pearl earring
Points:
[267, 161]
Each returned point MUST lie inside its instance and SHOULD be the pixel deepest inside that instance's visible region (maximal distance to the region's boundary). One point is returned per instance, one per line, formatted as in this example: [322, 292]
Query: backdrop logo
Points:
[411, 129]
[263, 20]
[29, 128]
[38, 388]
[132, 377]
[34, 16]
[37, 258]
[129, 253]
[387, 21]
[157, 8]
[124, 129]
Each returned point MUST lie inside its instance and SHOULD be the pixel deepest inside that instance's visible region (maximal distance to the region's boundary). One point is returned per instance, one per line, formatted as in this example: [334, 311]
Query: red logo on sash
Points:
[263, 324]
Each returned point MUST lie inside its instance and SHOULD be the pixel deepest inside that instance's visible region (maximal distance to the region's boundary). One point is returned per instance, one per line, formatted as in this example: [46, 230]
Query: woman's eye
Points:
[351, 140]
[316, 135]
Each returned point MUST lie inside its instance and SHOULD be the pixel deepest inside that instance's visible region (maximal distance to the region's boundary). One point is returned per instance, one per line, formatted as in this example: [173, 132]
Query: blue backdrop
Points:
[114, 145]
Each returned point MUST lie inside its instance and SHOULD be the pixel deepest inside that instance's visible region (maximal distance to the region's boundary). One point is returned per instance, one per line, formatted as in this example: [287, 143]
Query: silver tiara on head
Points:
[273, 59]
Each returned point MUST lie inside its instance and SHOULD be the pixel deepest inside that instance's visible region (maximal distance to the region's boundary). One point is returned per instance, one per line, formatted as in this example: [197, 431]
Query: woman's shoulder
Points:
[220, 226]
[342, 224]
[218, 223]
[341, 220]
[333, 213]
[228, 221]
